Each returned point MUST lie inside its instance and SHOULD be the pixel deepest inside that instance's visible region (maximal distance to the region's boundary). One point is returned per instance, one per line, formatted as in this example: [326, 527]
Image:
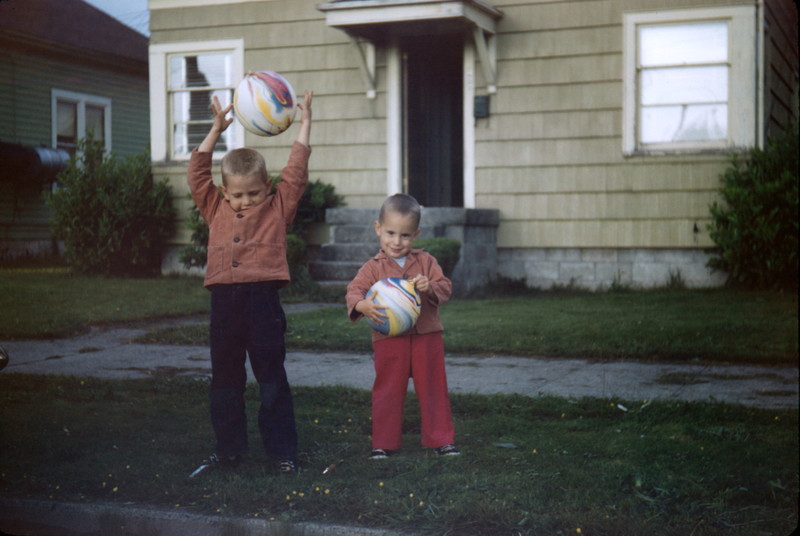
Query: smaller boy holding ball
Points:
[417, 353]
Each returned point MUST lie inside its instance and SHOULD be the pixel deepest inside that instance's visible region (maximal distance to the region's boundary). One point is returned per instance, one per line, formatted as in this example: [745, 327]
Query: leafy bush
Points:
[194, 254]
[317, 198]
[296, 251]
[755, 228]
[447, 251]
[113, 217]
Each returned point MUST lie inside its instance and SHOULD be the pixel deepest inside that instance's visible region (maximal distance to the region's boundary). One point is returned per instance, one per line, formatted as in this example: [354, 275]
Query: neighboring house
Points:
[564, 142]
[66, 69]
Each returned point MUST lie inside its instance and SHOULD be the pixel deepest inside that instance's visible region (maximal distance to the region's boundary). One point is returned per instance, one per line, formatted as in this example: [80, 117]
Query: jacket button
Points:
[235, 264]
[236, 239]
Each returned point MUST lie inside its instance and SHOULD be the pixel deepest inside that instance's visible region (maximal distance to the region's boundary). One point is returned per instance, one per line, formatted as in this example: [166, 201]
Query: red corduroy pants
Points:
[420, 357]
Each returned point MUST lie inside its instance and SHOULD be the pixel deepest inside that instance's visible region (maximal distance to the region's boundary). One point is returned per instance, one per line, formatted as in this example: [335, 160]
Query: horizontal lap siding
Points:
[664, 176]
[176, 175]
[25, 106]
[550, 156]
[658, 206]
[600, 234]
[23, 214]
[28, 80]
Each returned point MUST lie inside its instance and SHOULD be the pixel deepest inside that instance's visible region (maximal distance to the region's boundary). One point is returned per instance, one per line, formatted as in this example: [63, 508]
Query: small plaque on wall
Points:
[481, 106]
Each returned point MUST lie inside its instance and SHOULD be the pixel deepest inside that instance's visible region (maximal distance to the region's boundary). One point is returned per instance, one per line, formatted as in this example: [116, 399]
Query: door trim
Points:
[394, 121]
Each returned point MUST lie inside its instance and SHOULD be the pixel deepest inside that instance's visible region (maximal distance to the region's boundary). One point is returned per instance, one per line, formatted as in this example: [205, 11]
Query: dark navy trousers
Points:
[247, 320]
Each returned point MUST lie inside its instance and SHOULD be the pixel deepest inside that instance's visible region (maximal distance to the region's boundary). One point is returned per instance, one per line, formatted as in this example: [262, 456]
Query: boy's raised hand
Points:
[221, 122]
[306, 106]
[304, 134]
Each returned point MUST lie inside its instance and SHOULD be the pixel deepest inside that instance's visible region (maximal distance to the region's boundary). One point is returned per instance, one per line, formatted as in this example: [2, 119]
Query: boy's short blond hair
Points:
[243, 162]
[403, 204]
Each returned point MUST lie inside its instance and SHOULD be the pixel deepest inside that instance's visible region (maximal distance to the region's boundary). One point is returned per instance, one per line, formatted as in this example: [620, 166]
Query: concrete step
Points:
[354, 234]
[365, 234]
[351, 216]
[347, 252]
[353, 242]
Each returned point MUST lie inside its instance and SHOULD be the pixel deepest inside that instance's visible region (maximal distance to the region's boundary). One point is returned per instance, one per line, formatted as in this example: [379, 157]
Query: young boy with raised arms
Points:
[246, 266]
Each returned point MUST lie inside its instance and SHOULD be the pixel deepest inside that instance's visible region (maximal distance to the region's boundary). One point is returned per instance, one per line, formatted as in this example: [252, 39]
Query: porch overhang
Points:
[377, 20]
[374, 22]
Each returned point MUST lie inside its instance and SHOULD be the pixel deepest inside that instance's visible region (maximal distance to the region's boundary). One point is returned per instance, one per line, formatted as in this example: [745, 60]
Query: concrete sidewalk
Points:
[48, 518]
[108, 353]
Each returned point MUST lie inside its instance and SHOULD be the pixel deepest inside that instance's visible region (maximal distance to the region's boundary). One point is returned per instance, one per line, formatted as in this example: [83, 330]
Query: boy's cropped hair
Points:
[402, 204]
[243, 162]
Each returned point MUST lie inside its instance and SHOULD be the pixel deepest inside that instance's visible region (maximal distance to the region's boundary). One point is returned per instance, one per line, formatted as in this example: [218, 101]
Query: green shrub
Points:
[296, 251]
[446, 251]
[195, 254]
[755, 228]
[317, 198]
[113, 217]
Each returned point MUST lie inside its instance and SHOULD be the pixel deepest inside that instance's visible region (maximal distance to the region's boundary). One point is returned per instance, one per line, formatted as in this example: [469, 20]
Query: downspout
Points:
[760, 73]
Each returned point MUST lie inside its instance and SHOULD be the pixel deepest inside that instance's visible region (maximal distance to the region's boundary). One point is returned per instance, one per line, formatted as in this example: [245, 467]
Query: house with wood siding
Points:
[66, 69]
[573, 142]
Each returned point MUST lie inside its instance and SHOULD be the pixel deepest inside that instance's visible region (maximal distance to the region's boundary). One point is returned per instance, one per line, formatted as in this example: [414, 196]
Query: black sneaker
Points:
[287, 467]
[379, 454]
[215, 460]
[448, 450]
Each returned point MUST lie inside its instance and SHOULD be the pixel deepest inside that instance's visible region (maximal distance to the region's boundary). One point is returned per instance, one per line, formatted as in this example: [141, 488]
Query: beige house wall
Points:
[550, 155]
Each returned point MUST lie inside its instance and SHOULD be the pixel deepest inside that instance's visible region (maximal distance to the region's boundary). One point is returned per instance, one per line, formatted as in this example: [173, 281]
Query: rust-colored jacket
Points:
[417, 262]
[250, 245]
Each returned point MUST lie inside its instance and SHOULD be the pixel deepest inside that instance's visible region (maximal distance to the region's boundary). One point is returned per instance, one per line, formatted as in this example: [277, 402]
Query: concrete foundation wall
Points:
[598, 269]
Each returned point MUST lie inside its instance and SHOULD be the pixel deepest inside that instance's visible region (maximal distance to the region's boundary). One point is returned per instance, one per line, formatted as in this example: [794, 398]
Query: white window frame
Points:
[742, 81]
[161, 144]
[81, 100]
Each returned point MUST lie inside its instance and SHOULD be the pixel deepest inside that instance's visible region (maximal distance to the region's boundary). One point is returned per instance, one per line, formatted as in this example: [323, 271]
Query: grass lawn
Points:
[719, 325]
[51, 302]
[710, 325]
[530, 466]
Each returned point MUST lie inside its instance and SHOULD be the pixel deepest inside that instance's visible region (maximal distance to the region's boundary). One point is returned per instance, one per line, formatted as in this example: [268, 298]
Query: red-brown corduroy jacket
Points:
[250, 245]
[417, 262]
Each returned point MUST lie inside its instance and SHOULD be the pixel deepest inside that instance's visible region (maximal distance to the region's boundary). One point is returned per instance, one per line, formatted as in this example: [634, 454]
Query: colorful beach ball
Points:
[265, 103]
[402, 302]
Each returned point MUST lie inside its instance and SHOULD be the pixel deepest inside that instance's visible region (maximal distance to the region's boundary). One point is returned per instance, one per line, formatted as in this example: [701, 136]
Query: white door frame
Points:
[394, 121]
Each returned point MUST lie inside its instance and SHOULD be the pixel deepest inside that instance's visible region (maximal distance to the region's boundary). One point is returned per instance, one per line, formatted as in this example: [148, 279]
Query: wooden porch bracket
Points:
[365, 51]
[485, 44]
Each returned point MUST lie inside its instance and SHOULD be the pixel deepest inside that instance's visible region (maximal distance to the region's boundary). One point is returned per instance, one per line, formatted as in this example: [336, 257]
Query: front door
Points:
[433, 119]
